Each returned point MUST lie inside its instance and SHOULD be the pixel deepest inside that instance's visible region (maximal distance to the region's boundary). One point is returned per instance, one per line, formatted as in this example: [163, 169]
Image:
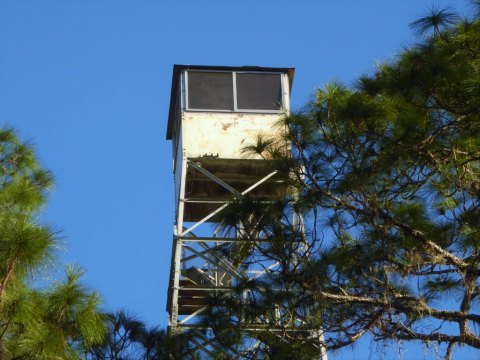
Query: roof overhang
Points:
[177, 70]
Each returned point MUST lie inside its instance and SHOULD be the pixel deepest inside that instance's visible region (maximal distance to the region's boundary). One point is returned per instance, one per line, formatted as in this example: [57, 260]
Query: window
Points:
[210, 90]
[259, 91]
[234, 91]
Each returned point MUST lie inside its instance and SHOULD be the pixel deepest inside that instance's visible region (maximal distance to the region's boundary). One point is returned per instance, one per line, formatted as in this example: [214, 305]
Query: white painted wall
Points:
[224, 134]
[178, 167]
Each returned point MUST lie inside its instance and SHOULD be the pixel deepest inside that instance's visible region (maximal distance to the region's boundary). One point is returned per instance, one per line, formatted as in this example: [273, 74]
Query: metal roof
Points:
[177, 69]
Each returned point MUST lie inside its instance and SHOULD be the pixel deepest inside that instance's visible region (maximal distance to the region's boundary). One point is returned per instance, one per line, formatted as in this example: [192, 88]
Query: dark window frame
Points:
[234, 93]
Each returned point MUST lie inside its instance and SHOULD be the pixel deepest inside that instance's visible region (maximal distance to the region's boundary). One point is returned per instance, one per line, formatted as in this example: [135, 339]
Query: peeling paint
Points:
[224, 134]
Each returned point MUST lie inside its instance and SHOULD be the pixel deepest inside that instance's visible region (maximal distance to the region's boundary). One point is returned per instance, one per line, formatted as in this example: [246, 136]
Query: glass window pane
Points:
[259, 91]
[210, 90]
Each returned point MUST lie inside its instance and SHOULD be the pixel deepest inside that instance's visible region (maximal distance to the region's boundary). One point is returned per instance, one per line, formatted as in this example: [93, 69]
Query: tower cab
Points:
[215, 111]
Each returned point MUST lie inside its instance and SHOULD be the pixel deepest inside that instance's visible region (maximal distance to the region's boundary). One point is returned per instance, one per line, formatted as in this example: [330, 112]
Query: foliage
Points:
[386, 232]
[60, 321]
[129, 338]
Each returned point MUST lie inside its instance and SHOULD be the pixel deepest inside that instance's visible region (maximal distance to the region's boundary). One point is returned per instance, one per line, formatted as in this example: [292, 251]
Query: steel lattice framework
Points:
[200, 268]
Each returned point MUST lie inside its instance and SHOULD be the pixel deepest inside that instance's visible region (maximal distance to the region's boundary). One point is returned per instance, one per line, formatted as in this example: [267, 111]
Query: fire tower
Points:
[214, 112]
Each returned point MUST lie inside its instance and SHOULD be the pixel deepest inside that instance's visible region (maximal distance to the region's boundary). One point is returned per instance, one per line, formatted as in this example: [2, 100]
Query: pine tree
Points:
[127, 337]
[385, 180]
[60, 321]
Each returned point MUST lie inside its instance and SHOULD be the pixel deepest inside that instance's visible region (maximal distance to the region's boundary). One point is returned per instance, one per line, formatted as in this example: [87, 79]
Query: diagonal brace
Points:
[213, 177]
[209, 216]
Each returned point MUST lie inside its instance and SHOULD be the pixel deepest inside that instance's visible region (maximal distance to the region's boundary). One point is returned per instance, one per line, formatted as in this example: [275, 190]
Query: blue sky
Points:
[88, 82]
